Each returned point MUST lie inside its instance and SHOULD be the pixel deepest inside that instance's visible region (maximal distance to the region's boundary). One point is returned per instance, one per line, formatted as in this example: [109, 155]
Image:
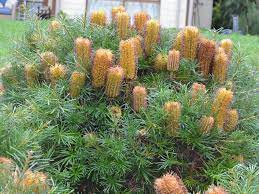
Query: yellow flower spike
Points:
[220, 106]
[83, 51]
[220, 66]
[190, 42]
[114, 80]
[98, 18]
[197, 89]
[57, 72]
[103, 60]
[173, 110]
[177, 45]
[206, 52]
[227, 45]
[139, 98]
[140, 20]
[138, 40]
[231, 120]
[170, 184]
[206, 124]
[216, 190]
[77, 82]
[128, 58]
[54, 25]
[48, 59]
[160, 63]
[152, 36]
[31, 74]
[173, 60]
[123, 24]
[116, 10]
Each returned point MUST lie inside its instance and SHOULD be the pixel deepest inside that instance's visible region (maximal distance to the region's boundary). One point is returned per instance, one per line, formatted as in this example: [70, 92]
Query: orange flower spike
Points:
[152, 36]
[227, 45]
[77, 82]
[116, 10]
[177, 45]
[114, 81]
[139, 98]
[123, 24]
[216, 190]
[140, 20]
[197, 89]
[220, 68]
[190, 42]
[231, 120]
[138, 40]
[160, 62]
[173, 110]
[173, 60]
[206, 124]
[83, 51]
[98, 18]
[57, 72]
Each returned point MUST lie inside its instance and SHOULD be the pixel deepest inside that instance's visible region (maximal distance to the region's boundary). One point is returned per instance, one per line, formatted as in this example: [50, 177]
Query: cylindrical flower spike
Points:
[103, 60]
[170, 184]
[206, 53]
[128, 58]
[190, 42]
[197, 89]
[114, 79]
[48, 59]
[227, 45]
[216, 190]
[98, 18]
[220, 106]
[231, 120]
[54, 25]
[206, 124]
[83, 52]
[123, 24]
[140, 20]
[160, 63]
[57, 72]
[173, 60]
[138, 40]
[116, 10]
[173, 110]
[220, 67]
[152, 36]
[139, 98]
[177, 45]
[77, 82]
[31, 74]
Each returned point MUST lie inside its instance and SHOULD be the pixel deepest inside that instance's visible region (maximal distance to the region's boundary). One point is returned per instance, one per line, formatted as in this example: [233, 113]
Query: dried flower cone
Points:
[227, 45]
[139, 98]
[231, 120]
[140, 20]
[48, 59]
[160, 63]
[177, 45]
[190, 42]
[57, 72]
[206, 52]
[54, 25]
[103, 60]
[116, 10]
[197, 89]
[206, 124]
[170, 184]
[173, 110]
[152, 36]
[137, 41]
[216, 190]
[220, 106]
[123, 24]
[98, 18]
[128, 58]
[173, 60]
[83, 52]
[220, 66]
[31, 74]
[114, 80]
[77, 82]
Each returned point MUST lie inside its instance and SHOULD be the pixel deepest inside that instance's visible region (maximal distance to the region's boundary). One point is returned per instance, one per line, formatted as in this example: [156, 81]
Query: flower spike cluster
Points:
[83, 52]
[98, 18]
[114, 79]
[77, 82]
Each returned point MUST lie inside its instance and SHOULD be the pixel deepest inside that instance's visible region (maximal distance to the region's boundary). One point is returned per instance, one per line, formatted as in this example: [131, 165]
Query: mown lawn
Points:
[11, 30]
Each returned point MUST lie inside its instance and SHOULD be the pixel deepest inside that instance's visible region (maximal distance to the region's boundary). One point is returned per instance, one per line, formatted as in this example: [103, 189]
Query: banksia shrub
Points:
[190, 42]
[231, 120]
[173, 111]
[137, 41]
[173, 60]
[206, 52]
[48, 59]
[31, 74]
[139, 98]
[77, 82]
[197, 89]
[152, 36]
[57, 72]
[103, 60]
[140, 20]
[123, 24]
[170, 184]
[220, 106]
[114, 79]
[54, 25]
[220, 66]
[216, 190]
[227, 45]
[160, 62]
[98, 18]
[206, 124]
[83, 52]
[128, 58]
[116, 10]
